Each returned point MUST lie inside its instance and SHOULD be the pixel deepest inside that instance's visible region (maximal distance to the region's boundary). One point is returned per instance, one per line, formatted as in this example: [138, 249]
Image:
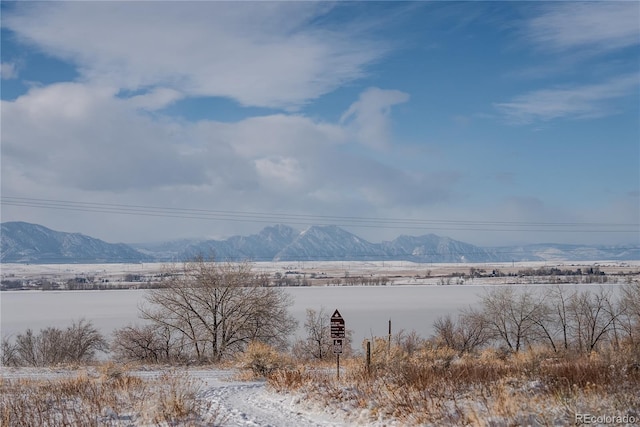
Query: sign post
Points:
[338, 336]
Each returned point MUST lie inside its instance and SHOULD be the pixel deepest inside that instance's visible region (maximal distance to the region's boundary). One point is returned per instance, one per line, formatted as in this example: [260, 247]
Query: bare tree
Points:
[557, 325]
[466, 334]
[630, 312]
[218, 308]
[513, 317]
[318, 343]
[593, 316]
[148, 343]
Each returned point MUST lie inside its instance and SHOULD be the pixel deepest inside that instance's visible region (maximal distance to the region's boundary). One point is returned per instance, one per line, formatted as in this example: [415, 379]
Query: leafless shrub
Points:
[149, 344]
[8, 352]
[78, 343]
[409, 342]
[468, 333]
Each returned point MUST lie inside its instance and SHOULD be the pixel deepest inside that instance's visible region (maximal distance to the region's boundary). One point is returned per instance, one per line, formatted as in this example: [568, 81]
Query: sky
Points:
[494, 123]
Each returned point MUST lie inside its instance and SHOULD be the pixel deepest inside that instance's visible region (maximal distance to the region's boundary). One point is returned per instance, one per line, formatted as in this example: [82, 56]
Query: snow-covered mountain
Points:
[263, 246]
[563, 252]
[432, 248]
[329, 243]
[31, 243]
[24, 242]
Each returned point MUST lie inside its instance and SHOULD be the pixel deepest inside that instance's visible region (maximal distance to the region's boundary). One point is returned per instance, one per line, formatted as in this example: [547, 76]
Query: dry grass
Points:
[436, 387]
[109, 397]
[260, 360]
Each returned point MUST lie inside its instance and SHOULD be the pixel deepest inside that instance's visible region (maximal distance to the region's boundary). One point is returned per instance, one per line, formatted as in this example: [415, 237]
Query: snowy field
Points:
[413, 302]
[366, 310]
[402, 272]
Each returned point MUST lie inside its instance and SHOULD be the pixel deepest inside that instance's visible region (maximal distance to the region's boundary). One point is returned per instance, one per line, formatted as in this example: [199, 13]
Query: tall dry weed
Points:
[110, 397]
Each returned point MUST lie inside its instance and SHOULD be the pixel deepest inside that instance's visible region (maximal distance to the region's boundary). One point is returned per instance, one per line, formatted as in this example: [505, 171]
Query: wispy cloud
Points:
[578, 102]
[268, 54]
[591, 26]
[369, 116]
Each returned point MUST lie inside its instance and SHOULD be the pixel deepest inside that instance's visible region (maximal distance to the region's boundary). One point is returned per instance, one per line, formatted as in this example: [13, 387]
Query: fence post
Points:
[368, 357]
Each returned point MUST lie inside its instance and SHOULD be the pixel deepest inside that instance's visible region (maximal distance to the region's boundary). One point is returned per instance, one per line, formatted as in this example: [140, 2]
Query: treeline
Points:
[559, 318]
[540, 271]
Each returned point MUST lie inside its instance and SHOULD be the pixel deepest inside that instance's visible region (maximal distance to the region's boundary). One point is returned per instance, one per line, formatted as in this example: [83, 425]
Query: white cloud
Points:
[8, 70]
[257, 53]
[593, 26]
[261, 136]
[280, 173]
[83, 137]
[580, 102]
[80, 141]
[45, 105]
[369, 117]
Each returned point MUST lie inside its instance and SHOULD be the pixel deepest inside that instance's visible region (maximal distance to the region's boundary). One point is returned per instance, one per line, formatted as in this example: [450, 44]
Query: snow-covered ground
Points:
[232, 403]
[401, 271]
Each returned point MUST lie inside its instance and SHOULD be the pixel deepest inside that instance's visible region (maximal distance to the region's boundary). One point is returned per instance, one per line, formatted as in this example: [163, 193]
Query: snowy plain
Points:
[413, 302]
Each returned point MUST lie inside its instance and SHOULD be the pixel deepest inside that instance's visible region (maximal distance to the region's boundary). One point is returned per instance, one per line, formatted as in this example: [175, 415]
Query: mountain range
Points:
[22, 242]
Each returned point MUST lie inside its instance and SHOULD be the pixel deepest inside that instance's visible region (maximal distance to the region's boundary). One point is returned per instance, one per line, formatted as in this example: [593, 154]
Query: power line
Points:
[305, 219]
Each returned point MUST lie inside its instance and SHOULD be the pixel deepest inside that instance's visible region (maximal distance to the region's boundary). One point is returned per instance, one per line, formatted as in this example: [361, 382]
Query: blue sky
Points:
[490, 122]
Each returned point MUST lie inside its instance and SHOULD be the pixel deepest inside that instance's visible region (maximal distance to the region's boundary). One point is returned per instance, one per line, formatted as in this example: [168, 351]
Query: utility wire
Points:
[304, 219]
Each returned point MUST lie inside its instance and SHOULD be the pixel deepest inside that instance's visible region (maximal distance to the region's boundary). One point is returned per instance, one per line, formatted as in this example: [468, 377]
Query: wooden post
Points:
[368, 357]
[389, 346]
[338, 366]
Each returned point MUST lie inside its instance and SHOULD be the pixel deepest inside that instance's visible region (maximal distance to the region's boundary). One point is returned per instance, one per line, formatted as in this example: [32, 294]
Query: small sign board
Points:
[337, 325]
[337, 346]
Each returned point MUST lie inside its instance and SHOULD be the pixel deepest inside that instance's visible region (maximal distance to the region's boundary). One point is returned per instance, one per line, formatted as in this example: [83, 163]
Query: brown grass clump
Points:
[109, 397]
[260, 360]
[289, 379]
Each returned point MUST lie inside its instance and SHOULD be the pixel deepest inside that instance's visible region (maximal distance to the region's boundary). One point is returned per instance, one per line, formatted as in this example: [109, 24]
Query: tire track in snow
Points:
[251, 405]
